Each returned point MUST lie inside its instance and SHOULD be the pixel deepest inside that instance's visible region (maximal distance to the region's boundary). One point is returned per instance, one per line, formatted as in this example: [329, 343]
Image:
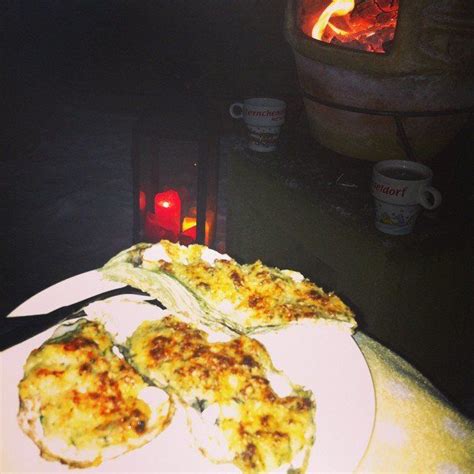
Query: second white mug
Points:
[401, 189]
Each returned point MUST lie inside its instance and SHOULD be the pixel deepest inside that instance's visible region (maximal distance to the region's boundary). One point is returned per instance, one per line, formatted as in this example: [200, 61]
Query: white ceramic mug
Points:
[263, 117]
[401, 189]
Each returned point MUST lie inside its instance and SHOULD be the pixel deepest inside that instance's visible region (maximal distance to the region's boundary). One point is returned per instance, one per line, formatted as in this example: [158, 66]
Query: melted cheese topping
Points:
[253, 295]
[86, 398]
[262, 430]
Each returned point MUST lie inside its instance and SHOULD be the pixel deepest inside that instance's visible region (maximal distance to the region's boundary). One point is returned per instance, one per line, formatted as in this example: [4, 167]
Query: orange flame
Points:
[335, 8]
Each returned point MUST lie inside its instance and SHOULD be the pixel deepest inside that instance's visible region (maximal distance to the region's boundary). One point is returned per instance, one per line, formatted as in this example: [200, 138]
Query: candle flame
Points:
[164, 204]
[335, 8]
[189, 228]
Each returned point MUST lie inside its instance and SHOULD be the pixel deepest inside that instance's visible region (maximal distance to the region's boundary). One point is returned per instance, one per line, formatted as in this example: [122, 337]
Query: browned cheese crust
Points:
[270, 296]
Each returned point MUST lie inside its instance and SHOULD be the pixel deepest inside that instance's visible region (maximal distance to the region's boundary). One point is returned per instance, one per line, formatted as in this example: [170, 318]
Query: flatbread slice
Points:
[82, 403]
[215, 289]
[229, 390]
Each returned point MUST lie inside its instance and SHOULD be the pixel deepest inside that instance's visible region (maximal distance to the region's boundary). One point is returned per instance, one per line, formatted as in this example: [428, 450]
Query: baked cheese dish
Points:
[99, 388]
[229, 391]
[82, 403]
[213, 288]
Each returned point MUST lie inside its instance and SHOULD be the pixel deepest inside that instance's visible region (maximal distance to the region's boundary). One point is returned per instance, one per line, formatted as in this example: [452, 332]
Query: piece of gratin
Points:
[230, 392]
[217, 290]
[82, 403]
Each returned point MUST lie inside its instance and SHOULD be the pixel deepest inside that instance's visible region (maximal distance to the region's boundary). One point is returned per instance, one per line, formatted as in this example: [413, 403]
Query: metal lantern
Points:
[175, 175]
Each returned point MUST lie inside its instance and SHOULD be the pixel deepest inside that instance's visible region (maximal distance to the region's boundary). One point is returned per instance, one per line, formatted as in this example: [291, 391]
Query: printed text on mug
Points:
[386, 189]
[265, 113]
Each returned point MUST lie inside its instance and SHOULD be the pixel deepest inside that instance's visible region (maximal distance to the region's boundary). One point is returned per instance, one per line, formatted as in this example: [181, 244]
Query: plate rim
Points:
[23, 308]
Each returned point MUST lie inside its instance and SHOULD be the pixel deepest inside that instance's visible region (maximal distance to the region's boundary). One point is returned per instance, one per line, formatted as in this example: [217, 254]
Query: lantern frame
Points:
[189, 121]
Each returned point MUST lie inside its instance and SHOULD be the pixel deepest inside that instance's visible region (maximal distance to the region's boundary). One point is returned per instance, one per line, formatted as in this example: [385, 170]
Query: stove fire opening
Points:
[367, 25]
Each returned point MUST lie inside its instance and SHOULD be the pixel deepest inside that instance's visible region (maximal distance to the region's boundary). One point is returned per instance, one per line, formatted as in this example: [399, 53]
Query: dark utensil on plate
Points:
[19, 329]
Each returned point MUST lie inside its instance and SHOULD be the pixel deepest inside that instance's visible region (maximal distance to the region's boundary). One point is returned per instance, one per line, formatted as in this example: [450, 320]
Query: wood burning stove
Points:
[384, 79]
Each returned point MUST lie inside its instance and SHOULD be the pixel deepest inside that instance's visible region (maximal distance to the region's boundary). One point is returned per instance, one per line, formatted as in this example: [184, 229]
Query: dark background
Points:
[134, 47]
[66, 61]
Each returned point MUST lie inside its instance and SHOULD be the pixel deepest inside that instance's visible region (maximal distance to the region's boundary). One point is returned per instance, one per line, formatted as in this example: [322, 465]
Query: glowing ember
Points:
[368, 25]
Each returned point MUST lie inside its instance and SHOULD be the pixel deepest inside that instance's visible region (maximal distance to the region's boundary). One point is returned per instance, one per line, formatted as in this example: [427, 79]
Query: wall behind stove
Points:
[231, 48]
[238, 41]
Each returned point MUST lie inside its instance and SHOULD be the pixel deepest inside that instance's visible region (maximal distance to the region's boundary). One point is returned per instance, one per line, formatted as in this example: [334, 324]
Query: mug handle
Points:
[234, 114]
[429, 197]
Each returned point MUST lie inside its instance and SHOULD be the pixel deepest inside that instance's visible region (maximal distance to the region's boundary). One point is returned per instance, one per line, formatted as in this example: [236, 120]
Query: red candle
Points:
[153, 231]
[168, 211]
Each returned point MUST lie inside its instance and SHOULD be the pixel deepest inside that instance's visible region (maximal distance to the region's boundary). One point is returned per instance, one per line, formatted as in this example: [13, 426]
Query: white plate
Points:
[322, 359]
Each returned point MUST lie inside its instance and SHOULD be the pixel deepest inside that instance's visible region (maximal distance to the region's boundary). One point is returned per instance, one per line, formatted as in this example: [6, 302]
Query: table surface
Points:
[416, 429]
[341, 184]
